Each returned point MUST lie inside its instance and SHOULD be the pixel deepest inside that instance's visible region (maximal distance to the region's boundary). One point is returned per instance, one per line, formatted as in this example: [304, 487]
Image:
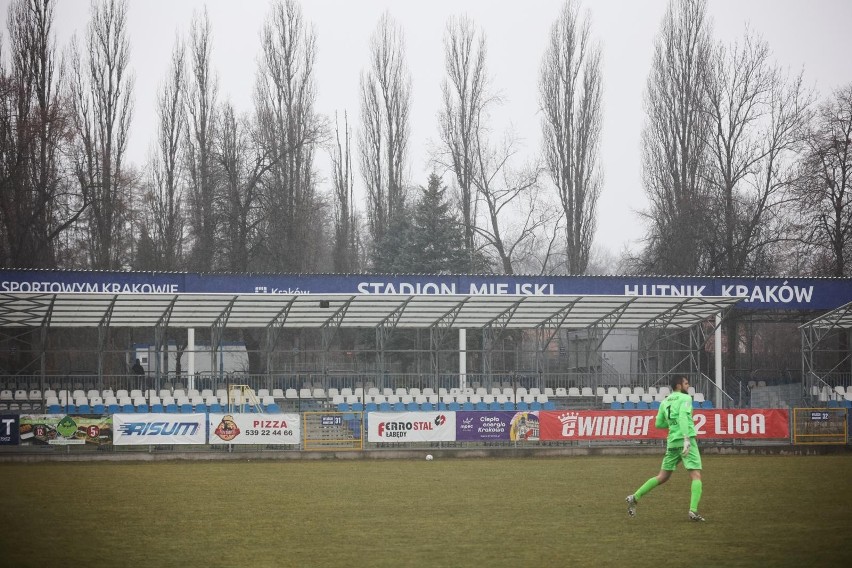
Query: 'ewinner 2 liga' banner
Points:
[720, 424]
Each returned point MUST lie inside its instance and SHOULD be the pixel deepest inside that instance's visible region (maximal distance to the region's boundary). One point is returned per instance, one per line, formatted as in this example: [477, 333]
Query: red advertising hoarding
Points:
[749, 424]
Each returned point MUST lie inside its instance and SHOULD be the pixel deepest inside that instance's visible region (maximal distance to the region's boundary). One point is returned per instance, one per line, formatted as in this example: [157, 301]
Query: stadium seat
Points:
[215, 407]
[272, 408]
[481, 405]
[454, 407]
[629, 405]
[428, 406]
[385, 407]
[523, 406]
[55, 409]
[549, 405]
[398, 407]
[707, 404]
[113, 408]
[128, 408]
[642, 405]
[468, 406]
[614, 405]
[655, 405]
[141, 407]
[357, 407]
[172, 407]
[412, 407]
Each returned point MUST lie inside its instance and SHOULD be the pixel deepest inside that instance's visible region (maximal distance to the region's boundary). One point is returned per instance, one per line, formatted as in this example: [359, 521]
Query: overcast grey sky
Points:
[812, 35]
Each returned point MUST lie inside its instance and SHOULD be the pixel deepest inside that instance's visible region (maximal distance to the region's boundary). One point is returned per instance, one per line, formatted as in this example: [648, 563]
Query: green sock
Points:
[696, 495]
[647, 486]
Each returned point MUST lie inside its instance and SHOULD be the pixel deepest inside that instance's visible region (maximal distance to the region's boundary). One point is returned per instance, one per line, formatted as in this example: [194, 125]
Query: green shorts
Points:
[673, 456]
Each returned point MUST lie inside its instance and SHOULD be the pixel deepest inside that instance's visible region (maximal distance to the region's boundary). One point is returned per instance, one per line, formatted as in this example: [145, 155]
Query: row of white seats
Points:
[322, 394]
[658, 397]
[436, 399]
[826, 393]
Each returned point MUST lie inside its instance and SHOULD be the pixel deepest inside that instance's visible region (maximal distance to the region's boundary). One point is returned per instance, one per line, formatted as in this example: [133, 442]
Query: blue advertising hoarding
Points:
[759, 292]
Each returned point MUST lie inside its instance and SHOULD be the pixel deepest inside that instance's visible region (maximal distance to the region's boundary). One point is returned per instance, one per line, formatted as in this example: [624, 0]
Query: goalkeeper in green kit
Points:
[676, 414]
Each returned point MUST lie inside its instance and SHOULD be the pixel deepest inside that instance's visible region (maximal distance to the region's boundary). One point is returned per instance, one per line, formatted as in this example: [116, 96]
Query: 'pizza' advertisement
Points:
[254, 429]
[718, 424]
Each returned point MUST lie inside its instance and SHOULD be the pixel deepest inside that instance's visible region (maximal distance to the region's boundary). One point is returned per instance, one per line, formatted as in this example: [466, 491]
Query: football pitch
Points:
[489, 512]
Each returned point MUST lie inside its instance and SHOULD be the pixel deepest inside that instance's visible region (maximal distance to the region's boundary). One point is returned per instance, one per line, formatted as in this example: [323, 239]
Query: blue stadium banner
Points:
[758, 292]
[9, 430]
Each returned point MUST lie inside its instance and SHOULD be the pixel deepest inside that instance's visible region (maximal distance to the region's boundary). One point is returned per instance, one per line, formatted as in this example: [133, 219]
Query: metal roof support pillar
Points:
[717, 344]
[273, 332]
[437, 334]
[492, 333]
[462, 358]
[328, 331]
[159, 338]
[217, 331]
[45, 325]
[190, 356]
[103, 334]
[544, 334]
[160, 330]
[488, 340]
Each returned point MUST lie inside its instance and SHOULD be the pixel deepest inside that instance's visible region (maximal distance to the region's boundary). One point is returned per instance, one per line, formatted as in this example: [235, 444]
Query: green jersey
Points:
[676, 414]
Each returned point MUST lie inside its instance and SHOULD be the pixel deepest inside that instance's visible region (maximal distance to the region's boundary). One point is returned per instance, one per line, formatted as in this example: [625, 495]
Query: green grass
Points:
[761, 511]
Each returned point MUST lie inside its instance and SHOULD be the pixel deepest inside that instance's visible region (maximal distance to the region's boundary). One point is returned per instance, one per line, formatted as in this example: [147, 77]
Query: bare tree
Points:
[164, 200]
[514, 211]
[465, 99]
[345, 256]
[383, 138]
[674, 150]
[757, 117]
[101, 95]
[241, 161]
[291, 130]
[570, 91]
[37, 204]
[825, 192]
[200, 99]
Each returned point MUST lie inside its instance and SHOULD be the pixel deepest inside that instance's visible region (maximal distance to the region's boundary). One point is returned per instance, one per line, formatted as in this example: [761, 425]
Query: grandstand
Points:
[541, 354]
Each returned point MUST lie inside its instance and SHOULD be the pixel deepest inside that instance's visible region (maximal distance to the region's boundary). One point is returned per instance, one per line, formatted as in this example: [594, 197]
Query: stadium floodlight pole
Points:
[718, 359]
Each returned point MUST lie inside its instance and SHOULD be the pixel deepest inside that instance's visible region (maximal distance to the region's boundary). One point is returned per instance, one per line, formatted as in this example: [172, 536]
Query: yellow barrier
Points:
[819, 426]
[333, 430]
